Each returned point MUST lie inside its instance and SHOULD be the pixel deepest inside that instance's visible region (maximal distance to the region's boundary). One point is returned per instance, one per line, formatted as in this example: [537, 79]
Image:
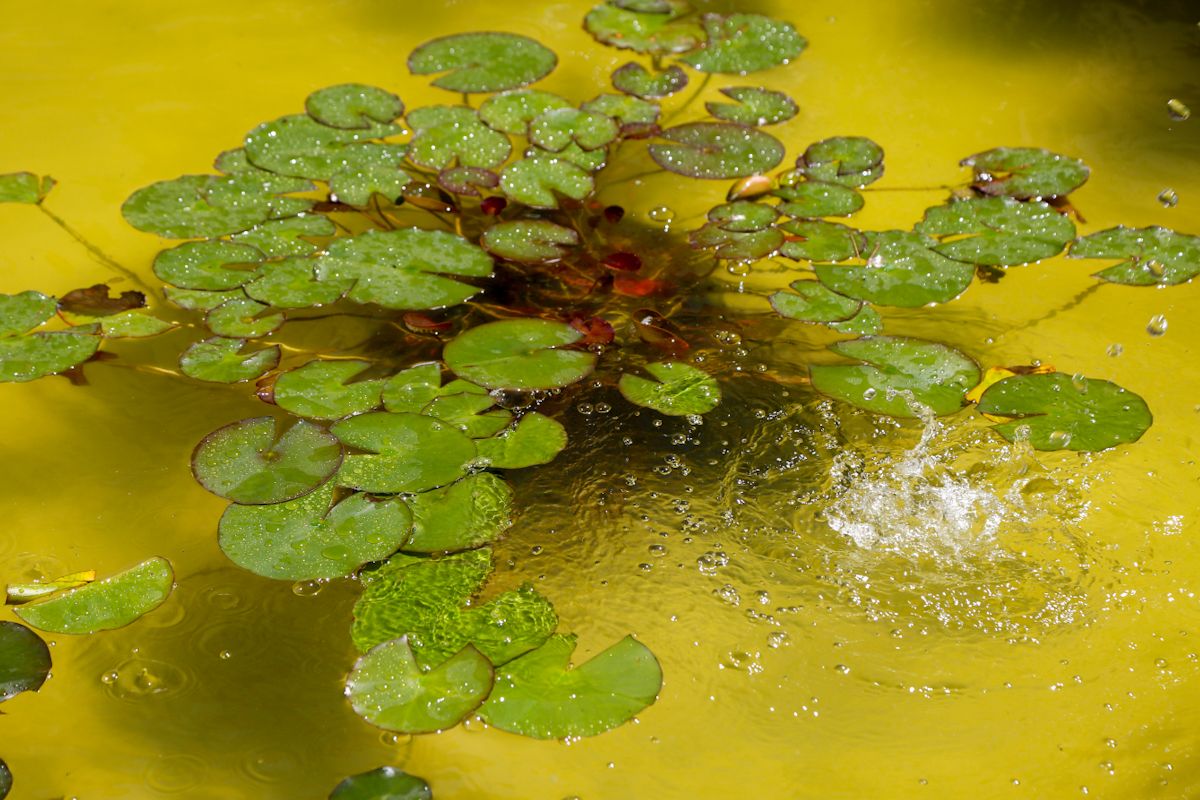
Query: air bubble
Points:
[869, 394]
[1115, 350]
[1169, 198]
[306, 588]
[1157, 325]
[661, 214]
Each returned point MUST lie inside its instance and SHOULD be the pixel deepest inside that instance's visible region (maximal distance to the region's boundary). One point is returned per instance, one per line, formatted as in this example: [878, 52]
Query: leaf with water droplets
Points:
[897, 372]
[529, 241]
[851, 161]
[353, 105]
[21, 313]
[292, 283]
[467, 181]
[26, 354]
[111, 603]
[323, 389]
[447, 135]
[542, 696]
[135, 324]
[24, 660]
[370, 169]
[401, 452]
[211, 266]
[198, 299]
[632, 78]
[252, 463]
[657, 32]
[1153, 256]
[818, 240]
[277, 238]
[741, 43]
[997, 231]
[537, 181]
[809, 199]
[24, 187]
[754, 106]
[866, 322]
[749, 246]
[624, 109]
[411, 390]
[717, 150]
[900, 269]
[810, 301]
[519, 354]
[677, 390]
[307, 539]
[463, 515]
[243, 318]
[1058, 412]
[483, 62]
[556, 129]
[743, 216]
[535, 439]
[6, 780]
[299, 146]
[384, 783]
[221, 360]
[203, 206]
[1025, 172]
[511, 112]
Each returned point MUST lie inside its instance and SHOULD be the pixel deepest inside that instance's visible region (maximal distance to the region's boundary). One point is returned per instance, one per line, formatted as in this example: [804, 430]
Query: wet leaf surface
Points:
[743, 216]
[326, 390]
[403, 452]
[901, 269]
[519, 354]
[624, 109]
[292, 283]
[299, 146]
[811, 301]
[733, 245]
[203, 206]
[633, 78]
[678, 389]
[851, 161]
[243, 318]
[467, 181]
[511, 112]
[808, 199]
[383, 783]
[1152, 256]
[24, 187]
[642, 30]
[754, 106]
[538, 180]
[222, 360]
[466, 514]
[554, 130]
[997, 231]
[1026, 172]
[482, 62]
[529, 241]
[353, 105]
[448, 135]
[111, 603]
[741, 43]
[251, 462]
[535, 439]
[818, 240]
[25, 355]
[717, 150]
[24, 660]
[211, 266]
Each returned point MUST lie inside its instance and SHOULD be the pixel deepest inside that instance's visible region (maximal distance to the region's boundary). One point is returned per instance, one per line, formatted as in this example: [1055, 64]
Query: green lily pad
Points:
[463, 515]
[818, 240]
[24, 187]
[483, 62]
[586, 160]
[404, 452]
[135, 324]
[902, 270]
[678, 389]
[299, 146]
[535, 439]
[211, 266]
[511, 112]
[809, 199]
[250, 462]
[449, 134]
[24, 355]
[632, 78]
[529, 241]
[542, 696]
[866, 322]
[6, 780]
[743, 216]
[469, 412]
[24, 660]
[384, 783]
[412, 389]
[535, 181]
[1026, 172]
[21, 313]
[353, 105]
[198, 299]
[657, 32]
[389, 690]
[896, 369]
[243, 318]
[1058, 412]
[103, 605]
[741, 246]
[322, 390]
[222, 360]
[559, 127]
[306, 539]
[851, 161]
[999, 231]
[400, 269]
[467, 181]
[519, 354]
[292, 283]
[741, 43]
[204, 206]
[370, 169]
[811, 301]
[624, 109]
[754, 106]
[1153, 256]
[717, 150]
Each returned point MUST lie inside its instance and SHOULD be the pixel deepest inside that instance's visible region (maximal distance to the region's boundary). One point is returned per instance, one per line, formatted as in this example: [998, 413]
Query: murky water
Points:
[844, 606]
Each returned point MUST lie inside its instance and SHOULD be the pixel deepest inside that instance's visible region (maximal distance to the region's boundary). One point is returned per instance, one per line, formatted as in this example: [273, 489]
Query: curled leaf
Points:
[111, 603]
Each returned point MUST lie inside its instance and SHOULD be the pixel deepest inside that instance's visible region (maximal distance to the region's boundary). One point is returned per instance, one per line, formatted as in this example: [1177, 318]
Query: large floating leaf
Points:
[483, 62]
[465, 514]
[678, 389]
[212, 266]
[24, 660]
[535, 180]
[901, 270]
[353, 105]
[226, 360]
[852, 161]
[389, 690]
[754, 106]
[897, 371]
[741, 43]
[1062, 413]
[809, 199]
[305, 539]
[384, 783]
[24, 187]
[999, 231]
[25, 356]
[811, 301]
[535, 439]
[818, 240]
[405, 452]
[243, 318]
[250, 462]
[471, 411]
[1153, 256]
[1026, 172]
[529, 241]
[323, 390]
[644, 30]
[111, 603]
[202, 206]
[540, 695]
[634, 79]
[559, 127]
[288, 237]
[717, 150]
[292, 283]
[519, 354]
[412, 389]
[511, 112]
[299, 146]
[449, 134]
[400, 269]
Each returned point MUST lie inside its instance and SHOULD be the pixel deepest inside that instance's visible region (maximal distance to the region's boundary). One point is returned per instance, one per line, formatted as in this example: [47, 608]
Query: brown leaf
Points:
[595, 330]
[654, 329]
[94, 301]
[492, 206]
[423, 323]
[639, 287]
[623, 262]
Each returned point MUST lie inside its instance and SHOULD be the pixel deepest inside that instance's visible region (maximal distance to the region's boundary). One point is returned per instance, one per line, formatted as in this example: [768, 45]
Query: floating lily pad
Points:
[404, 452]
[717, 150]
[1153, 256]
[535, 439]
[469, 412]
[135, 324]
[111, 603]
[463, 515]
[413, 388]
[24, 187]
[999, 231]
[24, 660]
[754, 106]
[535, 181]
[454, 134]
[1061, 413]
[902, 270]
[678, 389]
[519, 354]
[211, 266]
[353, 105]
[559, 127]
[389, 690]
[250, 462]
[809, 199]
[741, 246]
[818, 240]
[299, 146]
[306, 539]
[467, 181]
[198, 299]
[292, 283]
[898, 370]
[811, 301]
[20, 313]
[243, 318]
[483, 62]
[384, 783]
[743, 216]
[203, 206]
[529, 241]
[632, 78]
[6, 780]
[542, 696]
[642, 30]
[624, 109]
[227, 361]
[400, 269]
[1026, 172]
[322, 390]
[370, 169]
[587, 160]
[741, 43]
[511, 112]
[25, 356]
[18, 593]
[866, 322]
[851, 161]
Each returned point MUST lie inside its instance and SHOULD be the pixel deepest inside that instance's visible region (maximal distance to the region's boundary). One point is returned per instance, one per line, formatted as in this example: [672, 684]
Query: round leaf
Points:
[224, 361]
[644, 30]
[529, 241]
[634, 79]
[24, 660]
[353, 105]
[322, 390]
[519, 354]
[535, 180]
[203, 206]
[511, 112]
[299, 146]
[900, 270]
[405, 452]
[243, 318]
[717, 150]
[852, 161]
[731, 244]
[559, 127]
[111, 603]
[536, 439]
[1153, 256]
[247, 462]
[369, 169]
[36, 355]
[1000, 231]
[817, 240]
[384, 783]
[678, 389]
[810, 301]
[741, 43]
[818, 199]
[412, 389]
[212, 266]
[743, 216]
[624, 109]
[292, 283]
[21, 313]
[483, 62]
[449, 134]
[465, 514]
[754, 106]
[1026, 172]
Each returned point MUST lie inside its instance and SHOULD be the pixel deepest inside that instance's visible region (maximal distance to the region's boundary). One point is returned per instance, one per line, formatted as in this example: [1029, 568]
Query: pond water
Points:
[844, 605]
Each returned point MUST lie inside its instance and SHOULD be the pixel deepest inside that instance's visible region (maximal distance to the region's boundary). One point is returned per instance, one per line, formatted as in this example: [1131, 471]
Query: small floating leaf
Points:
[483, 62]
[1026, 172]
[540, 695]
[624, 109]
[6, 780]
[852, 161]
[1000, 231]
[717, 150]
[465, 514]
[818, 199]
[24, 660]
[1154, 256]
[817, 240]
[1061, 413]
[741, 43]
[469, 411]
[535, 439]
[678, 389]
[449, 134]
[24, 187]
[353, 105]
[26, 356]
[299, 146]
[511, 112]
[632, 78]
[292, 283]
[811, 301]
[224, 360]
[305, 539]
[384, 783]
[322, 390]
[198, 299]
[370, 169]
[754, 106]
[202, 206]
[111, 603]
[466, 181]
[642, 30]
[901, 270]
[559, 127]
[743, 216]
[896, 370]
[865, 323]
[519, 354]
[20, 313]
[535, 180]
[529, 241]
[212, 266]
[249, 462]
[741, 246]
[405, 452]
[243, 318]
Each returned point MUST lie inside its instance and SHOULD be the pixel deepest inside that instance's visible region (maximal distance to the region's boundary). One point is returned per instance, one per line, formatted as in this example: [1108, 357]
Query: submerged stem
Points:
[96, 252]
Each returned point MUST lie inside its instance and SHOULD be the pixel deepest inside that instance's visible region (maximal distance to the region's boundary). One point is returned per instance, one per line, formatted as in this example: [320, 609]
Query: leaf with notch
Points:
[678, 389]
[287, 237]
[624, 109]
[717, 150]
[535, 181]
[466, 514]
[323, 389]
[519, 354]
[353, 105]
[741, 43]
[632, 78]
[27, 354]
[559, 127]
[1153, 256]
[243, 318]
[299, 146]
[292, 283]
[808, 199]
[466, 181]
[370, 169]
[453, 134]
[529, 241]
[725, 243]
[851, 161]
[535, 439]
[755, 106]
[901, 269]
[998, 231]
[203, 206]
[1025, 172]
[511, 112]
[402, 452]
[483, 62]
[657, 32]
[472, 411]
[818, 240]
[221, 360]
[212, 266]
[810, 301]
[24, 187]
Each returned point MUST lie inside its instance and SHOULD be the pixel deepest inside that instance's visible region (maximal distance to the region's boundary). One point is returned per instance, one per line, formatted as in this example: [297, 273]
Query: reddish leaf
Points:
[264, 387]
[622, 261]
[94, 301]
[640, 130]
[614, 214]
[326, 206]
[654, 329]
[422, 323]
[595, 330]
[492, 206]
[639, 287]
